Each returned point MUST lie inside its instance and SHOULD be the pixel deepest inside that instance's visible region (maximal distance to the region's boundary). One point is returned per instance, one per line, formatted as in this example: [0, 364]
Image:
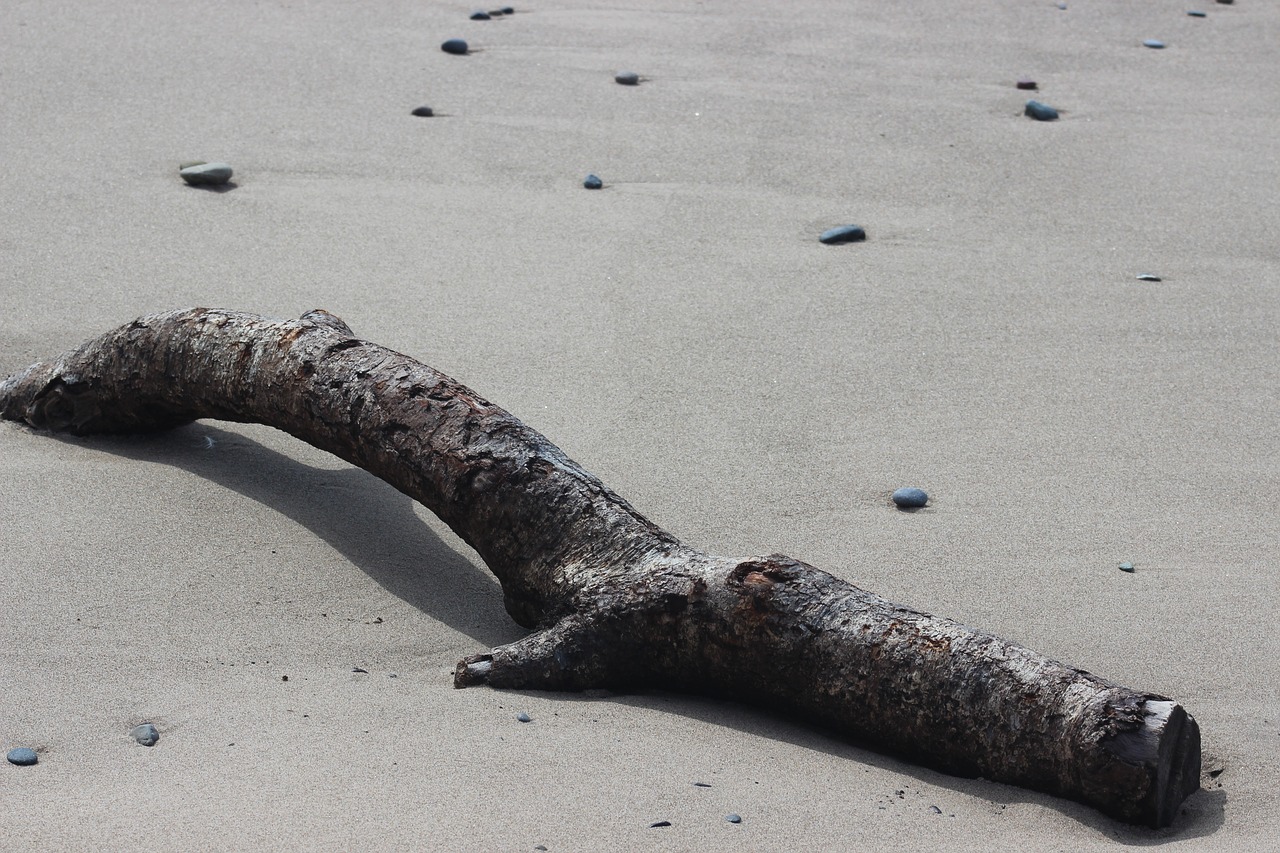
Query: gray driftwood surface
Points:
[612, 600]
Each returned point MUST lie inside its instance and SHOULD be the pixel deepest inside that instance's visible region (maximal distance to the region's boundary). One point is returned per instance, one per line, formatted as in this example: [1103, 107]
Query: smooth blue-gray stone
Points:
[733, 818]
[1196, 14]
[1040, 112]
[424, 112]
[1153, 43]
[507, 10]
[1127, 567]
[1146, 276]
[480, 15]
[910, 497]
[146, 734]
[455, 46]
[206, 174]
[524, 718]
[593, 182]
[627, 78]
[843, 234]
[22, 756]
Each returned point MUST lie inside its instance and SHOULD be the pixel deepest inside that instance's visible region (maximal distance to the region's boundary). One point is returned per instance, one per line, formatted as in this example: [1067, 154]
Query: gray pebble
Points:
[424, 112]
[1127, 567]
[659, 823]
[524, 718]
[593, 182]
[1153, 43]
[733, 818]
[480, 15]
[701, 784]
[1196, 14]
[843, 234]
[910, 497]
[22, 756]
[206, 174]
[1146, 276]
[457, 47]
[627, 78]
[146, 734]
[1027, 83]
[507, 10]
[1039, 111]
[935, 809]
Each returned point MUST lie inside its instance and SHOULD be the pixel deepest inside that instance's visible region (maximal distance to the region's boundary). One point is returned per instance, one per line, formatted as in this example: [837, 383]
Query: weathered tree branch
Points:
[614, 600]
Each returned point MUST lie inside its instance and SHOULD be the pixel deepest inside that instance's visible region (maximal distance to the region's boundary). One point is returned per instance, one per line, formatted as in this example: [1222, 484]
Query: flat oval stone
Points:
[1195, 13]
[910, 497]
[146, 734]
[843, 234]
[627, 78]
[1026, 83]
[1146, 276]
[524, 718]
[206, 174]
[1155, 44]
[593, 182]
[457, 47]
[733, 818]
[424, 112]
[508, 10]
[480, 15]
[1040, 112]
[22, 756]
[1127, 567]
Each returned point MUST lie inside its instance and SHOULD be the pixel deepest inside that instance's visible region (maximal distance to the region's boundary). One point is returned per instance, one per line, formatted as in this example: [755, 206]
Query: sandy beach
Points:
[290, 624]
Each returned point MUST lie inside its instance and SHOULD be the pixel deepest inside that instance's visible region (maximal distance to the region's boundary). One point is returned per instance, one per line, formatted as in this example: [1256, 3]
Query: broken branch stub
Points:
[614, 600]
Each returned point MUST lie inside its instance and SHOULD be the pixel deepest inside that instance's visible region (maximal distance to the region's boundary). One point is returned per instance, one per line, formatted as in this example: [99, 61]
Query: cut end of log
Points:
[1167, 746]
[472, 671]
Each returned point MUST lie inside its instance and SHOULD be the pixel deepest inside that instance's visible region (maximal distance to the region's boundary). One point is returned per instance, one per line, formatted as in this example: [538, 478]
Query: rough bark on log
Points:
[615, 601]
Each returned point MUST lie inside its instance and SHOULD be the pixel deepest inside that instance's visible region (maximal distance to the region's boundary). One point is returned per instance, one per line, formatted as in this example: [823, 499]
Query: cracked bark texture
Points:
[615, 601]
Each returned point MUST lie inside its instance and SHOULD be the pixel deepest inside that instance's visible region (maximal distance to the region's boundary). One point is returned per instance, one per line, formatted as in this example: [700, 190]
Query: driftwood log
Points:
[614, 601]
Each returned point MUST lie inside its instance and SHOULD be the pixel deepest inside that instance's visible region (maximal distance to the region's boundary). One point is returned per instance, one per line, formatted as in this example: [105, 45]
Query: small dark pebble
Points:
[660, 823]
[1226, 2]
[457, 47]
[284, 678]
[1146, 276]
[592, 182]
[1039, 111]
[358, 669]
[1153, 43]
[627, 78]
[1025, 83]
[524, 718]
[508, 10]
[910, 497]
[424, 112]
[843, 234]
[1196, 14]
[206, 174]
[480, 15]
[496, 13]
[1127, 567]
[146, 734]
[702, 784]
[935, 809]
[733, 818]
[22, 756]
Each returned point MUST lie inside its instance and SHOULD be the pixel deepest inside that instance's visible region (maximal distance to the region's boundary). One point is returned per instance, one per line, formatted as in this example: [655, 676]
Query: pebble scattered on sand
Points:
[627, 78]
[593, 182]
[659, 823]
[146, 734]
[480, 15]
[457, 47]
[1040, 112]
[910, 497]
[524, 718]
[1195, 13]
[22, 756]
[843, 234]
[702, 784]
[1027, 83]
[1155, 44]
[733, 818]
[423, 112]
[205, 174]
[507, 10]
[1146, 276]
[1226, 2]
[1127, 567]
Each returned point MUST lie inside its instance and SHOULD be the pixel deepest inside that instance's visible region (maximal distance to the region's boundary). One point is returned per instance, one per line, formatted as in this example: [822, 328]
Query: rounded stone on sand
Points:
[910, 497]
[524, 718]
[1146, 276]
[733, 818]
[843, 234]
[206, 174]
[1027, 83]
[1127, 567]
[424, 112]
[627, 78]
[1196, 13]
[1040, 112]
[480, 15]
[457, 47]
[1154, 44]
[22, 756]
[593, 182]
[146, 734]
